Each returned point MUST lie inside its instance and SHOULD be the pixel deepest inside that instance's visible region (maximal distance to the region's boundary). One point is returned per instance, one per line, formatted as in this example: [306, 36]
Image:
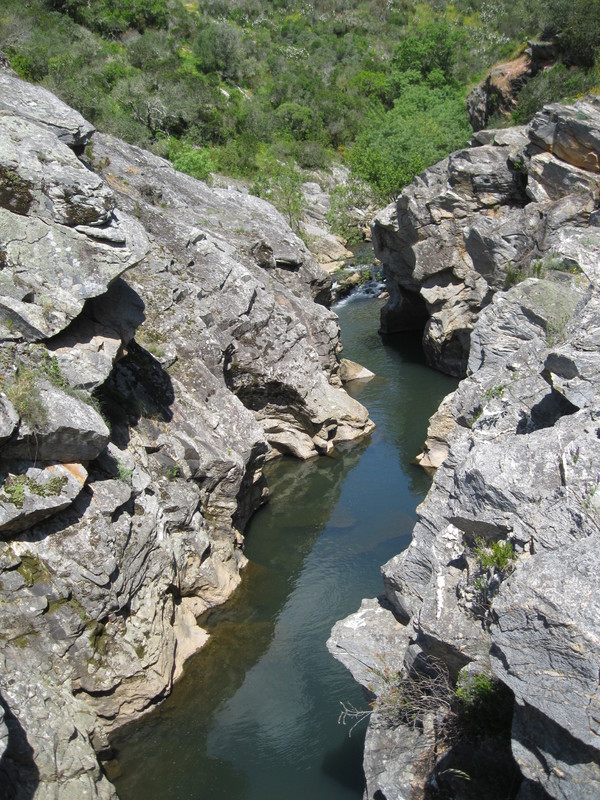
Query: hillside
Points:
[256, 90]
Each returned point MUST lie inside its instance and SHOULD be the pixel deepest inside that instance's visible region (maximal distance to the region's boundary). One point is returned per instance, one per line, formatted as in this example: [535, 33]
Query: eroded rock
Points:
[517, 456]
[191, 315]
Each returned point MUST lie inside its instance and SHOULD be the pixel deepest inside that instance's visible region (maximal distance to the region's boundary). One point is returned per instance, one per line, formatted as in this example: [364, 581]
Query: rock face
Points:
[198, 319]
[496, 96]
[500, 578]
[483, 219]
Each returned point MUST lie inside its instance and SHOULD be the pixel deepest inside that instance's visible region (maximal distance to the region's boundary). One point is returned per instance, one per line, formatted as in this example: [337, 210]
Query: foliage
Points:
[476, 705]
[111, 17]
[406, 698]
[24, 393]
[344, 200]
[196, 162]
[394, 149]
[551, 85]
[576, 23]
[497, 556]
[173, 472]
[283, 188]
[244, 84]
[483, 703]
[124, 472]
[15, 485]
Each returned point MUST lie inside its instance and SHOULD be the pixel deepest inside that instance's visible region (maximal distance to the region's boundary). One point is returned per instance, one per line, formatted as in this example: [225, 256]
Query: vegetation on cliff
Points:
[248, 88]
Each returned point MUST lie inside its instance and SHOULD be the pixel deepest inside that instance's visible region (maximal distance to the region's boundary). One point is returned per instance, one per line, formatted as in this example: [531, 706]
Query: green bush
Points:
[576, 24]
[24, 393]
[283, 188]
[552, 85]
[499, 556]
[195, 162]
[425, 125]
[112, 17]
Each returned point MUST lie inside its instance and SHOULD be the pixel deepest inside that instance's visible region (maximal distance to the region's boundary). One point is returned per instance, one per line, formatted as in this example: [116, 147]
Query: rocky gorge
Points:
[159, 341]
[496, 252]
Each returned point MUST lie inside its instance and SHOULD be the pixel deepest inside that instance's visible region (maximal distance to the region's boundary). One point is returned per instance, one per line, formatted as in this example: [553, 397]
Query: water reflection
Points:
[255, 715]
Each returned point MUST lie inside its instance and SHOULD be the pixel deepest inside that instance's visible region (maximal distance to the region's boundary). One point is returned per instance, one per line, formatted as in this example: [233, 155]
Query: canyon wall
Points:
[159, 340]
[497, 249]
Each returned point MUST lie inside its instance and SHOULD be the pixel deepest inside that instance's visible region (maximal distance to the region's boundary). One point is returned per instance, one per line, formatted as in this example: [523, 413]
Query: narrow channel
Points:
[255, 715]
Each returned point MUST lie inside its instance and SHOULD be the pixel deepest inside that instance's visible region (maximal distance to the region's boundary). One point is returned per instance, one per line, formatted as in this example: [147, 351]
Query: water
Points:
[255, 715]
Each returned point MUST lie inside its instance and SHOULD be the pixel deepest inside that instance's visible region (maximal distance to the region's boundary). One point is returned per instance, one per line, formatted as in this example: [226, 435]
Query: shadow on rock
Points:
[137, 387]
[19, 776]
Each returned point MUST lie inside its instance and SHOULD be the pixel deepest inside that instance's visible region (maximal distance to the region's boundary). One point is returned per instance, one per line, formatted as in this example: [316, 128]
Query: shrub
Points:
[284, 190]
[499, 556]
[193, 161]
[551, 85]
[24, 394]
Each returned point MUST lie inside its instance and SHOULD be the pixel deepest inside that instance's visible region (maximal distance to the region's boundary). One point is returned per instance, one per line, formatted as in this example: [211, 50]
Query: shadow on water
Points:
[255, 715]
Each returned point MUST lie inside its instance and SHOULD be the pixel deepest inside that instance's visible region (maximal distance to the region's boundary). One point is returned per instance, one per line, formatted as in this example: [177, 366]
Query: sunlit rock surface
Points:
[199, 322]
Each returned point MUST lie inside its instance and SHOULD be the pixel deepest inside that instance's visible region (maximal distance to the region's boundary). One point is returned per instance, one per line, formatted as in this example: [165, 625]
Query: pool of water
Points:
[255, 716]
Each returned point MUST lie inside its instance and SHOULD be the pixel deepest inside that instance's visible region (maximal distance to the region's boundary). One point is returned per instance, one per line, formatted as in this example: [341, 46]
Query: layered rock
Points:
[499, 578]
[197, 318]
[482, 219]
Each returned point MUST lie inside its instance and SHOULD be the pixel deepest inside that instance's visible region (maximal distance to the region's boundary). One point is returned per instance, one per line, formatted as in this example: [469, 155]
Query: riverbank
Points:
[255, 714]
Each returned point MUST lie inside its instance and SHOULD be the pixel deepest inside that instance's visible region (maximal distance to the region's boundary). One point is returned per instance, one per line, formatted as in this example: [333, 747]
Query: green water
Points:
[255, 715]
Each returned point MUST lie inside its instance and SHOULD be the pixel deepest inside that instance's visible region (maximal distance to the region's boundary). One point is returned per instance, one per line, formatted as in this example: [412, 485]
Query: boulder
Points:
[50, 271]
[42, 177]
[69, 431]
[34, 493]
[351, 371]
[40, 106]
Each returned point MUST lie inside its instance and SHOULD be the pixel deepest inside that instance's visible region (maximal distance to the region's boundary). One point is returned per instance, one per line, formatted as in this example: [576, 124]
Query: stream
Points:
[255, 715]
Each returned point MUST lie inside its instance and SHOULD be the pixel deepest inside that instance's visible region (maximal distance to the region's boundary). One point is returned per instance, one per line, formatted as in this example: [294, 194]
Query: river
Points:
[255, 715]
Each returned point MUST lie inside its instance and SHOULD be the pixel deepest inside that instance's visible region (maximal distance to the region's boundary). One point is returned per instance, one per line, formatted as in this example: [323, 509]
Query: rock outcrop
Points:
[500, 577]
[496, 96]
[198, 320]
[483, 219]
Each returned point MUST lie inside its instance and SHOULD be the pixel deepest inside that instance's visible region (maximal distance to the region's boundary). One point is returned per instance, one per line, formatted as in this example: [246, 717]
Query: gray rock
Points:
[554, 764]
[32, 494]
[571, 134]
[42, 107]
[209, 355]
[369, 642]
[50, 271]
[72, 431]
[465, 228]
[9, 419]
[351, 371]
[40, 176]
[546, 642]
[517, 452]
[276, 348]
